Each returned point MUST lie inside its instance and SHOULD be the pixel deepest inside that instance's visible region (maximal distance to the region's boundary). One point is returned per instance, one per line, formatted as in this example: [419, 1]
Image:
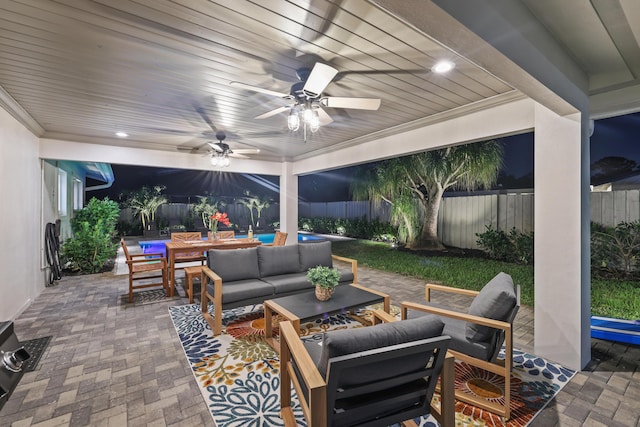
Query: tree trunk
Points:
[428, 239]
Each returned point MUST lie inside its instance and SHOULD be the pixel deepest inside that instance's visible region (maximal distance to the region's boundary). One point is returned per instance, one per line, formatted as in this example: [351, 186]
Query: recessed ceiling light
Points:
[122, 134]
[443, 67]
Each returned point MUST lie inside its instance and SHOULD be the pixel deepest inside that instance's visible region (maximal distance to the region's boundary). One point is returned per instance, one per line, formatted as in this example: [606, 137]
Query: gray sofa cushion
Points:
[456, 329]
[234, 264]
[284, 283]
[349, 341]
[243, 290]
[274, 260]
[346, 277]
[315, 254]
[495, 301]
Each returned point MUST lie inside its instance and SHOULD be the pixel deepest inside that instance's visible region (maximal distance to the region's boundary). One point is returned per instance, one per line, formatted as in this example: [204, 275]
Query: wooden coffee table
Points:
[305, 306]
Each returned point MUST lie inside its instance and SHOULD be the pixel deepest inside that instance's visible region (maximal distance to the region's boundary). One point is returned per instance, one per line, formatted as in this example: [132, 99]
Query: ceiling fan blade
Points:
[204, 116]
[320, 77]
[216, 146]
[260, 90]
[188, 150]
[324, 118]
[246, 151]
[273, 112]
[357, 103]
[236, 155]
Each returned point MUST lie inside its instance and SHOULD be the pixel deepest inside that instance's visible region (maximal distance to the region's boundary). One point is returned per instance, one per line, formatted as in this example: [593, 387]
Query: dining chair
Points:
[477, 336]
[227, 234]
[280, 238]
[141, 265]
[189, 236]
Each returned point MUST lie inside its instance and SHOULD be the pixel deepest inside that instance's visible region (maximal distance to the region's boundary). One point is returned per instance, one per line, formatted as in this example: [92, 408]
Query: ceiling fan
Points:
[221, 152]
[308, 100]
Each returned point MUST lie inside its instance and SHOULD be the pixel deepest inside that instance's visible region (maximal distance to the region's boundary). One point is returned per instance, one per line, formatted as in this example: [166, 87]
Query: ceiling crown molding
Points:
[12, 107]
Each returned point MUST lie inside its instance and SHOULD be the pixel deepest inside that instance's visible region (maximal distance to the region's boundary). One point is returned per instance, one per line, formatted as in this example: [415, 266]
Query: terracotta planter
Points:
[323, 294]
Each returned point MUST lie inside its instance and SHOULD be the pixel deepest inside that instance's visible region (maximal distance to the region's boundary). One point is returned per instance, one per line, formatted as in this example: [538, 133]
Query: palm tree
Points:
[207, 205]
[145, 202]
[250, 201]
[422, 179]
[259, 204]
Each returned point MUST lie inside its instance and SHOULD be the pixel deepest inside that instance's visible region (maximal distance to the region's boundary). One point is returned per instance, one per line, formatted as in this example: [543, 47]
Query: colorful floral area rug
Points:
[238, 373]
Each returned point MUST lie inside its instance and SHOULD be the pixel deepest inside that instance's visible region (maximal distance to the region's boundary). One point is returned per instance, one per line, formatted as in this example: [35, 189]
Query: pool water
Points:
[155, 246]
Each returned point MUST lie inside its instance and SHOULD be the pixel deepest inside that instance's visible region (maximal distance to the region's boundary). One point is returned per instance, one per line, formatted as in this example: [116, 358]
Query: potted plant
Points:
[325, 279]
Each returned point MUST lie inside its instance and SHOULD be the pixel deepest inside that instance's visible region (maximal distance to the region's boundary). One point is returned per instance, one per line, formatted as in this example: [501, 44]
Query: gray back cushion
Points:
[349, 341]
[274, 260]
[315, 254]
[234, 264]
[495, 301]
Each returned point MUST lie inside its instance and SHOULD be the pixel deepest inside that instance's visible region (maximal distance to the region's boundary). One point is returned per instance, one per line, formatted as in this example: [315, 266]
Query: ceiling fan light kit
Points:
[306, 109]
[221, 153]
[220, 159]
[293, 121]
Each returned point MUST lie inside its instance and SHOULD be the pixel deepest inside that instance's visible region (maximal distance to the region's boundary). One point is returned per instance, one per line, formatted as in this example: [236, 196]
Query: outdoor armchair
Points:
[372, 376]
[477, 336]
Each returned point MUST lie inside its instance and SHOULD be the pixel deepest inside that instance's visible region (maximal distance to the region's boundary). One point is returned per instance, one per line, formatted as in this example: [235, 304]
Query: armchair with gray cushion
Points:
[374, 376]
[477, 336]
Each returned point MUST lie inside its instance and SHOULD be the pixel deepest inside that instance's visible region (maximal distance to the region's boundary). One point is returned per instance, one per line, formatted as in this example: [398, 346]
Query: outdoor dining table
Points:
[174, 248]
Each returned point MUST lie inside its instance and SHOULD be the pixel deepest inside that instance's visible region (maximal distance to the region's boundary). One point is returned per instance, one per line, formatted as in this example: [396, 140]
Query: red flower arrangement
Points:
[218, 217]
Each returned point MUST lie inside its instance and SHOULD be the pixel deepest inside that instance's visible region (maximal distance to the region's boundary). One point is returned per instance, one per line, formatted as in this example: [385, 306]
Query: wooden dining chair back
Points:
[145, 267]
[478, 335]
[280, 238]
[226, 234]
[195, 256]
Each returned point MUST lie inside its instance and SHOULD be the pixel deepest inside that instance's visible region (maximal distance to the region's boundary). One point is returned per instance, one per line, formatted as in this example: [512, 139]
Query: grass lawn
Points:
[611, 298]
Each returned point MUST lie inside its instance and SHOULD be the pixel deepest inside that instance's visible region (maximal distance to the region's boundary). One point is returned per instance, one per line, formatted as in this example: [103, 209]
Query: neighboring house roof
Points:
[97, 171]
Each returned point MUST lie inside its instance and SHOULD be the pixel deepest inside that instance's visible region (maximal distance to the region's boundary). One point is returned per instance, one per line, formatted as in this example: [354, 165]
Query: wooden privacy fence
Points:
[459, 219]
[613, 207]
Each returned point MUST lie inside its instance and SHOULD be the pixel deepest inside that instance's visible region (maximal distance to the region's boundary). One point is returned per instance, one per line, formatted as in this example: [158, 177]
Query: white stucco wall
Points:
[21, 226]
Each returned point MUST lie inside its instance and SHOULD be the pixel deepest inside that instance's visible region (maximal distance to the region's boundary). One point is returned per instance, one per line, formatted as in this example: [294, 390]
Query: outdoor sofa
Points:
[239, 277]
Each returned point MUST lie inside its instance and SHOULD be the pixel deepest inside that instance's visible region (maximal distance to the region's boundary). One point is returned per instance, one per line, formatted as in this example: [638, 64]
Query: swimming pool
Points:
[155, 246]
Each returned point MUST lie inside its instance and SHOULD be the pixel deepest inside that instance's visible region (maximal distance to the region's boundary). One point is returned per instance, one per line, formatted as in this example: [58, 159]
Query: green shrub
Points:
[615, 250]
[104, 211]
[92, 244]
[359, 228]
[89, 250]
[513, 247]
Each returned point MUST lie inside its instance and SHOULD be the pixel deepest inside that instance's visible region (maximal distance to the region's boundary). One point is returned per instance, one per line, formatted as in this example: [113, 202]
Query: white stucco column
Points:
[562, 254]
[289, 203]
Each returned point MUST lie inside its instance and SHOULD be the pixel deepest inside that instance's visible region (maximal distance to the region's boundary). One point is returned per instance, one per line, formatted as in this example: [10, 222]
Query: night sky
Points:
[616, 140]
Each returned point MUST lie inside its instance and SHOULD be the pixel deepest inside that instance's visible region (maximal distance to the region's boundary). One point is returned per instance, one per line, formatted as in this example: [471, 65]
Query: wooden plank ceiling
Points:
[160, 70]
